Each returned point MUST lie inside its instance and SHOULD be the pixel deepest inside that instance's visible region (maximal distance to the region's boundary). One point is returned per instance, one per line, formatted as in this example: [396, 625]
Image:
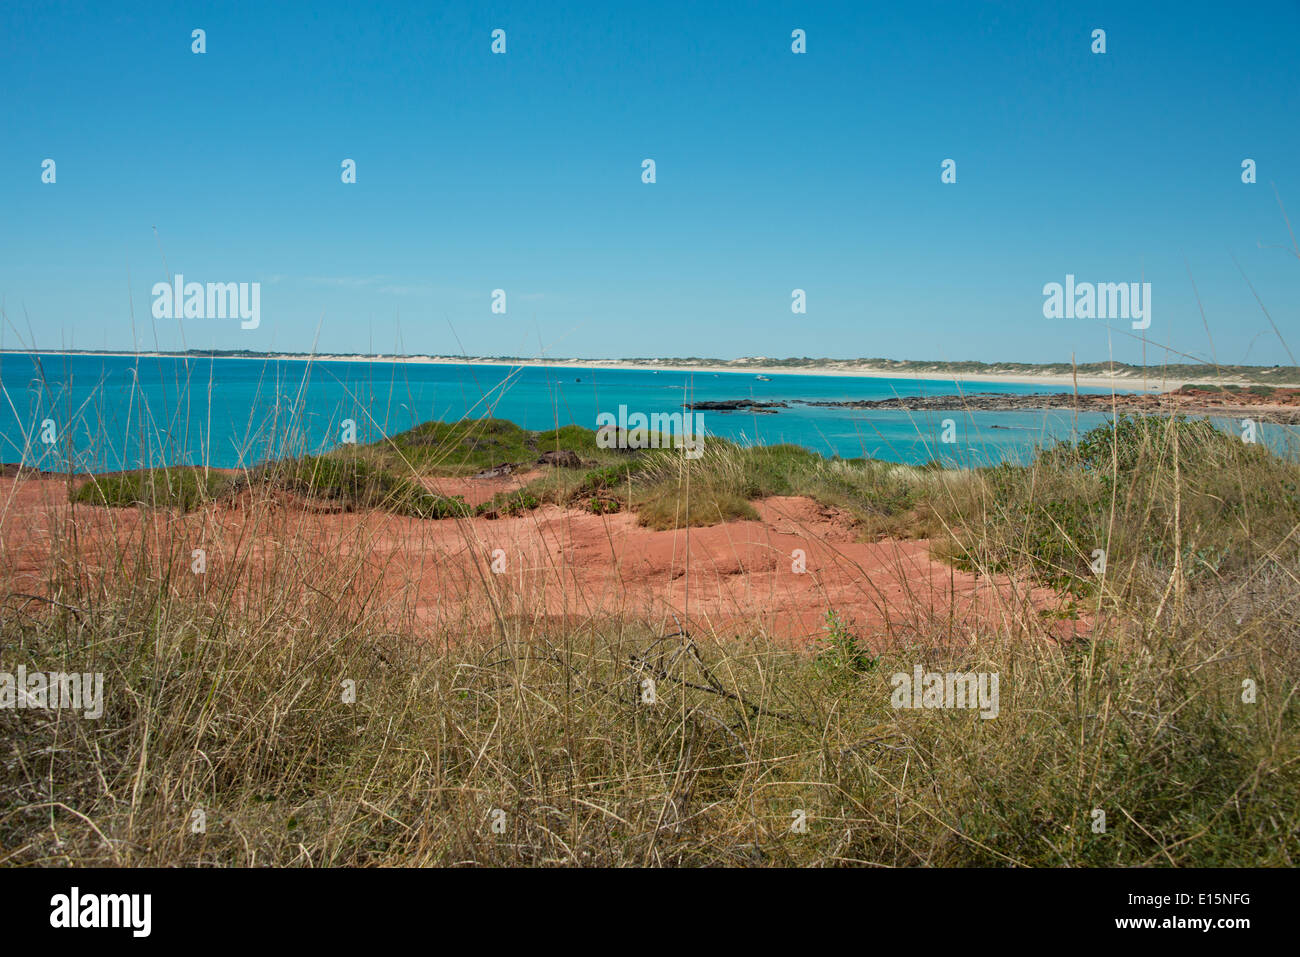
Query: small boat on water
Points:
[763, 378]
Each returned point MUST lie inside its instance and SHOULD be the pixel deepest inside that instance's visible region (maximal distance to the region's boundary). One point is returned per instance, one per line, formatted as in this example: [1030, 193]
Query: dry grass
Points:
[229, 698]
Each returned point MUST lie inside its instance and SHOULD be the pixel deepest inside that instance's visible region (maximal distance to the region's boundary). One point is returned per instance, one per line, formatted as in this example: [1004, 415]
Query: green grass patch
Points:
[354, 479]
[183, 488]
[1150, 491]
[473, 445]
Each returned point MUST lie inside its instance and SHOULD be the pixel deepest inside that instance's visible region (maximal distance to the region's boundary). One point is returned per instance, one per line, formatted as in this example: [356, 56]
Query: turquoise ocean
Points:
[108, 413]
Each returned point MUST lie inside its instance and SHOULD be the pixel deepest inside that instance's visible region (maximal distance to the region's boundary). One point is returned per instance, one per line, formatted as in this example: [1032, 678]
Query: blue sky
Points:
[775, 171]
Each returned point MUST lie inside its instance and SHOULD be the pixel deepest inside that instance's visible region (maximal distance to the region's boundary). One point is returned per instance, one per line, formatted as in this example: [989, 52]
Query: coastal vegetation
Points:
[1173, 714]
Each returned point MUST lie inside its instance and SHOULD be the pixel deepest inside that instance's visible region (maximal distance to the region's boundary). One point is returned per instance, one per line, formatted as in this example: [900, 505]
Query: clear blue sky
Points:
[775, 171]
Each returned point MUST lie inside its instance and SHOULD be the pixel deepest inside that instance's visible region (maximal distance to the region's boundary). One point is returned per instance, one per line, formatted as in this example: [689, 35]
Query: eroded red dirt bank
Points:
[735, 578]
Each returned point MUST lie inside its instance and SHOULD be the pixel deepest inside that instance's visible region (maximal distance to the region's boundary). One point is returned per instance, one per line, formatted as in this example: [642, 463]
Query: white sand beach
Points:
[1124, 380]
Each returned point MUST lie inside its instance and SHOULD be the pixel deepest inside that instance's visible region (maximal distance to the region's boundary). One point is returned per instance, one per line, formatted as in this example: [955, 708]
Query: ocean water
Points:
[108, 413]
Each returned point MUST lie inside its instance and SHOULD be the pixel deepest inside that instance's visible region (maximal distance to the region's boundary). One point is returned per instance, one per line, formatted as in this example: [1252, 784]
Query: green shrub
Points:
[183, 488]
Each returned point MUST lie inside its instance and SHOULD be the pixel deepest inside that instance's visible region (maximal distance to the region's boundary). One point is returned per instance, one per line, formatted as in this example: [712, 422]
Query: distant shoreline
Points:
[1125, 378]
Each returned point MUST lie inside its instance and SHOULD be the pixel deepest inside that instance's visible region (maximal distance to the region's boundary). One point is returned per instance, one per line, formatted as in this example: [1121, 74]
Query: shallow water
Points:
[118, 412]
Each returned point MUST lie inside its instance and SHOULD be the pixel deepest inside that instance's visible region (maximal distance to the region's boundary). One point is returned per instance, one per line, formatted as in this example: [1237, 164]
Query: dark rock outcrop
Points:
[564, 459]
[1278, 405]
[738, 405]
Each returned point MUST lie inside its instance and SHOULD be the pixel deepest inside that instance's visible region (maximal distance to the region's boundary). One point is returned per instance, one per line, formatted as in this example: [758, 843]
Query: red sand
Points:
[553, 562]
